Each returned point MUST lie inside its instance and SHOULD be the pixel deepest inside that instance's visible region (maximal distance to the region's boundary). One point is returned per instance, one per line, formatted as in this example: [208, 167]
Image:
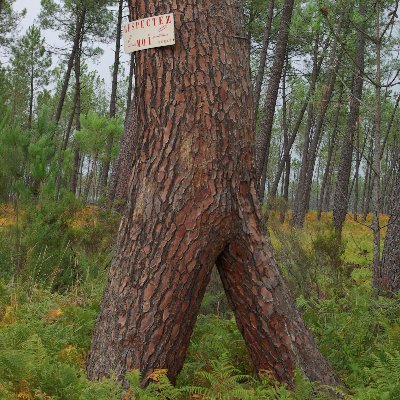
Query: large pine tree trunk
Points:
[192, 203]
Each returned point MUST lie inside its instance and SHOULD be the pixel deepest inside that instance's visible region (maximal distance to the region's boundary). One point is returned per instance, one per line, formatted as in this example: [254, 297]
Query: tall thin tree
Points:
[264, 136]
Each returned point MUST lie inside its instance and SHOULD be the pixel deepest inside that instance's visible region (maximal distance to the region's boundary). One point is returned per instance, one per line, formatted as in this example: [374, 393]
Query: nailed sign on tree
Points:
[149, 32]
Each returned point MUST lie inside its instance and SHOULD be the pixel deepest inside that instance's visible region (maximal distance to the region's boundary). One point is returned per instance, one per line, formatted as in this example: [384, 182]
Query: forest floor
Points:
[47, 314]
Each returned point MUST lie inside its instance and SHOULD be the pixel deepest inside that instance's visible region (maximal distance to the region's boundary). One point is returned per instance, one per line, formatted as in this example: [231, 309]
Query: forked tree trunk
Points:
[192, 202]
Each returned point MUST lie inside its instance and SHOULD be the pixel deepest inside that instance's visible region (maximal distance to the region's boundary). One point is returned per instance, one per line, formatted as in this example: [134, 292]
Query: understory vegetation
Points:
[53, 270]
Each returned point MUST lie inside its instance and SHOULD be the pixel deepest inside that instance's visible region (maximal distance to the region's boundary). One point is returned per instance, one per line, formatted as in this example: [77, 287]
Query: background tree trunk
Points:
[263, 56]
[341, 197]
[130, 84]
[31, 98]
[192, 202]
[128, 154]
[113, 101]
[314, 76]
[376, 166]
[75, 48]
[64, 145]
[77, 158]
[304, 188]
[390, 268]
[331, 149]
[264, 137]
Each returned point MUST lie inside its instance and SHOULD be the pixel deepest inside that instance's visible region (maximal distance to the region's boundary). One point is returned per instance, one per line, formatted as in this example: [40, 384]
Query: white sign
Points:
[149, 32]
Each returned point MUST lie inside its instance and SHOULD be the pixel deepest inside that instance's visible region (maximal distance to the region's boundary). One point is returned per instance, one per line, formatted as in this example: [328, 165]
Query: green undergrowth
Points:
[46, 324]
[44, 338]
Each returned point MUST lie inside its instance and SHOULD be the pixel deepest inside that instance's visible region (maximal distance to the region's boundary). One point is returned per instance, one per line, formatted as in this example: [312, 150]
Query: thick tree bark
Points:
[263, 56]
[341, 197]
[113, 101]
[75, 47]
[390, 266]
[264, 137]
[192, 202]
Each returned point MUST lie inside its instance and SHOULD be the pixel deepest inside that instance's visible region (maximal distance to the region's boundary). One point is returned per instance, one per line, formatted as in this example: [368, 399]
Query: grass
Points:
[357, 235]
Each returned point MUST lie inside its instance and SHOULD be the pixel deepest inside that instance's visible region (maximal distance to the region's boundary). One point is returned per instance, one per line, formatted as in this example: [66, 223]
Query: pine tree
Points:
[32, 62]
[192, 203]
[9, 20]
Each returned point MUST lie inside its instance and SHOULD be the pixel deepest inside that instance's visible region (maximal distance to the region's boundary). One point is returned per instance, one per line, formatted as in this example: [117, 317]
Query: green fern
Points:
[384, 378]
[162, 389]
[222, 382]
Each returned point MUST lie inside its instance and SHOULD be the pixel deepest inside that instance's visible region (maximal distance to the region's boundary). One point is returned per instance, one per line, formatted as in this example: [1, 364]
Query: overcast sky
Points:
[51, 37]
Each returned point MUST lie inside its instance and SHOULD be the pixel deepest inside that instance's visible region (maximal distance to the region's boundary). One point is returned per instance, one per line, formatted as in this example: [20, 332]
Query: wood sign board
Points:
[148, 33]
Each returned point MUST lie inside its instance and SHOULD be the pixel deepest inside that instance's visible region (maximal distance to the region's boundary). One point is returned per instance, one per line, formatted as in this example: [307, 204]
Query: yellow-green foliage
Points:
[357, 234]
